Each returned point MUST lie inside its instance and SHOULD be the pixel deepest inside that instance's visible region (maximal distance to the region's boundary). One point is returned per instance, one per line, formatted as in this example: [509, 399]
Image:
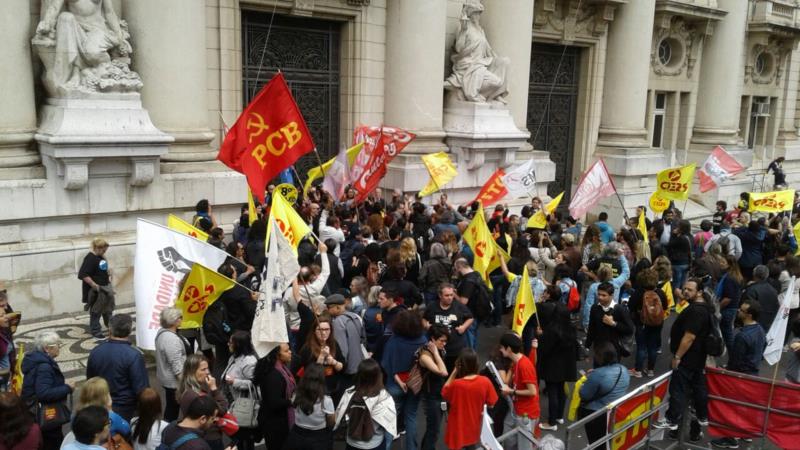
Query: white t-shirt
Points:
[153, 439]
[315, 420]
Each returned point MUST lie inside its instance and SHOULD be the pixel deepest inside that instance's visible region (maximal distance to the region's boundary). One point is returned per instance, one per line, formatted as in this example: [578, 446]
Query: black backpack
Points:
[216, 324]
[359, 419]
[725, 243]
[482, 303]
[714, 344]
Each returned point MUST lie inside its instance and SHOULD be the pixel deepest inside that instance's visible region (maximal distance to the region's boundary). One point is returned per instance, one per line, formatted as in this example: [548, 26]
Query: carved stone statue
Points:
[84, 47]
[479, 75]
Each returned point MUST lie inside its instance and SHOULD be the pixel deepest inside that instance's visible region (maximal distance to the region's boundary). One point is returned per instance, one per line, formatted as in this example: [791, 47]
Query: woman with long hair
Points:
[467, 393]
[277, 385]
[238, 380]
[399, 356]
[410, 257]
[95, 392]
[648, 336]
[373, 325]
[628, 241]
[556, 359]
[791, 269]
[196, 380]
[605, 384]
[592, 245]
[320, 348]
[17, 430]
[729, 292]
[679, 250]
[147, 425]
[313, 412]
[367, 406]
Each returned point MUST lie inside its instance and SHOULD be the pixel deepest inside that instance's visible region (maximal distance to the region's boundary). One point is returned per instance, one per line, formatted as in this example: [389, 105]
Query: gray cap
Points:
[335, 299]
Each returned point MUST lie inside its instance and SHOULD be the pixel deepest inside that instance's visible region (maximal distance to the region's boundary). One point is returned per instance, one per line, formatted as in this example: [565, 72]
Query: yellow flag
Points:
[643, 227]
[289, 222]
[681, 306]
[539, 219]
[796, 231]
[525, 305]
[667, 288]
[442, 171]
[181, 226]
[676, 182]
[484, 248]
[775, 201]
[317, 172]
[201, 289]
[16, 374]
[252, 215]
[575, 399]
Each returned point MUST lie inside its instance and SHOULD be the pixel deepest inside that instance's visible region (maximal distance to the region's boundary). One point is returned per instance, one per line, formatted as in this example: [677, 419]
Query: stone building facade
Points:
[644, 84]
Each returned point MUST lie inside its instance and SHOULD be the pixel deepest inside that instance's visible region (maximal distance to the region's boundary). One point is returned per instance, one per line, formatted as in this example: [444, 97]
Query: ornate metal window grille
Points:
[307, 51]
[551, 115]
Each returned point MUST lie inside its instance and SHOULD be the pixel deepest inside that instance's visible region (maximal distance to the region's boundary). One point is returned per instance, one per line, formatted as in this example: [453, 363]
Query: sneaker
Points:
[725, 443]
[548, 427]
[703, 422]
[665, 424]
[560, 421]
[635, 373]
[658, 352]
[747, 440]
[650, 373]
[673, 434]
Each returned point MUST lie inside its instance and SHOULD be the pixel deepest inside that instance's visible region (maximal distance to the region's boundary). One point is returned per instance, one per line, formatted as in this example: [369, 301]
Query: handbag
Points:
[416, 376]
[245, 408]
[51, 416]
[227, 424]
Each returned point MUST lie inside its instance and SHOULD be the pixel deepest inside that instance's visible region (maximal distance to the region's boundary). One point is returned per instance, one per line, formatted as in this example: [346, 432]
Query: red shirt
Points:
[525, 374]
[466, 398]
[32, 440]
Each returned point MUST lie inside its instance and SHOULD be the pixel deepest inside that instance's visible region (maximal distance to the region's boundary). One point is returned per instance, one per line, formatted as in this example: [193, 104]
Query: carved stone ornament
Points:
[674, 47]
[358, 2]
[85, 49]
[479, 74]
[765, 61]
[575, 18]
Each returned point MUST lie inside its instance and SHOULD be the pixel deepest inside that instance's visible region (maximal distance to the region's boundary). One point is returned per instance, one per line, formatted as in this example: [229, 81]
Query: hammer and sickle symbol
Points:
[258, 125]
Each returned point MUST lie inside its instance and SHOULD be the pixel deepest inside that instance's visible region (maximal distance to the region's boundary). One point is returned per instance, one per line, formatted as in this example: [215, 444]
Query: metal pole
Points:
[769, 405]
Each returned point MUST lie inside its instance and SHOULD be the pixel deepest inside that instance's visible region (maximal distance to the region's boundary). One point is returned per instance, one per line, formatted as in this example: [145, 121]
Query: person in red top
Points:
[467, 393]
[17, 430]
[523, 388]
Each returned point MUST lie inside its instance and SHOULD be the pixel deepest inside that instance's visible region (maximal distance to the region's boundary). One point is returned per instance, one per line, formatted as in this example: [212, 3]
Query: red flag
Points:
[269, 136]
[719, 167]
[493, 190]
[386, 145]
[595, 185]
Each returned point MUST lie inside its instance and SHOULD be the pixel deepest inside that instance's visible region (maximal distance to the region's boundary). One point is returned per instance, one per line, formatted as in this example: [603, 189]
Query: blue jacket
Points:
[123, 368]
[398, 355]
[43, 380]
[748, 349]
[606, 232]
[603, 385]
[752, 247]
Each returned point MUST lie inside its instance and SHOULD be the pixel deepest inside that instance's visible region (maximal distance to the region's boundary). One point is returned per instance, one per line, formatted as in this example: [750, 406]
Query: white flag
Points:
[488, 441]
[337, 176]
[269, 326]
[163, 258]
[776, 336]
[521, 180]
[596, 184]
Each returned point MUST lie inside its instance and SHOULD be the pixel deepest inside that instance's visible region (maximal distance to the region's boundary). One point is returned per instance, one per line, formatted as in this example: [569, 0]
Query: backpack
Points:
[359, 419]
[216, 324]
[652, 313]
[725, 243]
[714, 344]
[482, 303]
[178, 442]
[573, 297]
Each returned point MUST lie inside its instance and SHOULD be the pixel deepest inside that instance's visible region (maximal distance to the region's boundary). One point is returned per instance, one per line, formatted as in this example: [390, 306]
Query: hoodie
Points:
[43, 380]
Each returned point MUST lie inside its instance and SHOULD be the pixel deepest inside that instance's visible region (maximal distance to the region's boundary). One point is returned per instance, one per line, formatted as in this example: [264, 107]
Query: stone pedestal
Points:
[112, 132]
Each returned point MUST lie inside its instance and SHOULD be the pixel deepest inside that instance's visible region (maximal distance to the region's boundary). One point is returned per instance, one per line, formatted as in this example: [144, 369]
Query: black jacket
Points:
[600, 332]
[273, 416]
[557, 354]
[767, 297]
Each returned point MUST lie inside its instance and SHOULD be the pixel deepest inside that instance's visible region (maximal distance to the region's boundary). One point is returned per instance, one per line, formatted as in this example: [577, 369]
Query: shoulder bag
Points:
[245, 407]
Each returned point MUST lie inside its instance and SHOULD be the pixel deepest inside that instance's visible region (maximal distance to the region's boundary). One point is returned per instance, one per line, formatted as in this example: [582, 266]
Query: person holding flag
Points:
[555, 361]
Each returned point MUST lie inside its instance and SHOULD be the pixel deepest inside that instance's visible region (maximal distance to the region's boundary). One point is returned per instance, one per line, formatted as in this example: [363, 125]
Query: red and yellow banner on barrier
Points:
[631, 409]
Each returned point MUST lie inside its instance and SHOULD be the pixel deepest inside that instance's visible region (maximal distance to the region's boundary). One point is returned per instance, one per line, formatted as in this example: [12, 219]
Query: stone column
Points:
[509, 28]
[169, 52]
[415, 43]
[17, 109]
[622, 137]
[719, 92]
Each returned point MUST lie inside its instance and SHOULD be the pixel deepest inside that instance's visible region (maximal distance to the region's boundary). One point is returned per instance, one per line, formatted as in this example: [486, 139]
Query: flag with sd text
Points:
[539, 218]
[181, 226]
[521, 180]
[269, 136]
[775, 201]
[289, 223]
[201, 289]
[675, 183]
[442, 171]
[493, 190]
[525, 306]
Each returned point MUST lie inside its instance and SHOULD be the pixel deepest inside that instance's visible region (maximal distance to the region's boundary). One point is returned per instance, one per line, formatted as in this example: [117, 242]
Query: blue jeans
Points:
[406, 404]
[499, 285]
[679, 272]
[648, 341]
[433, 419]
[683, 383]
[471, 335]
[94, 322]
[726, 327]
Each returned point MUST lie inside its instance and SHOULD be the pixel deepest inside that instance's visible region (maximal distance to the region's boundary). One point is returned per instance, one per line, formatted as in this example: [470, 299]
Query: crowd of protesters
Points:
[384, 319]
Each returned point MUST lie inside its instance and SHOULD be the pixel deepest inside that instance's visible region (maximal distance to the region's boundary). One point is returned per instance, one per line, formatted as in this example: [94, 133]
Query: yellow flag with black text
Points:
[676, 182]
[318, 171]
[775, 201]
[181, 226]
[201, 289]
[539, 218]
[442, 171]
[290, 224]
[525, 306]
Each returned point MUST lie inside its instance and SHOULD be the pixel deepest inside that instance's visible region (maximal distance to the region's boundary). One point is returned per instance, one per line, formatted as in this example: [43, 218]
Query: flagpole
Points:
[769, 404]
[299, 180]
